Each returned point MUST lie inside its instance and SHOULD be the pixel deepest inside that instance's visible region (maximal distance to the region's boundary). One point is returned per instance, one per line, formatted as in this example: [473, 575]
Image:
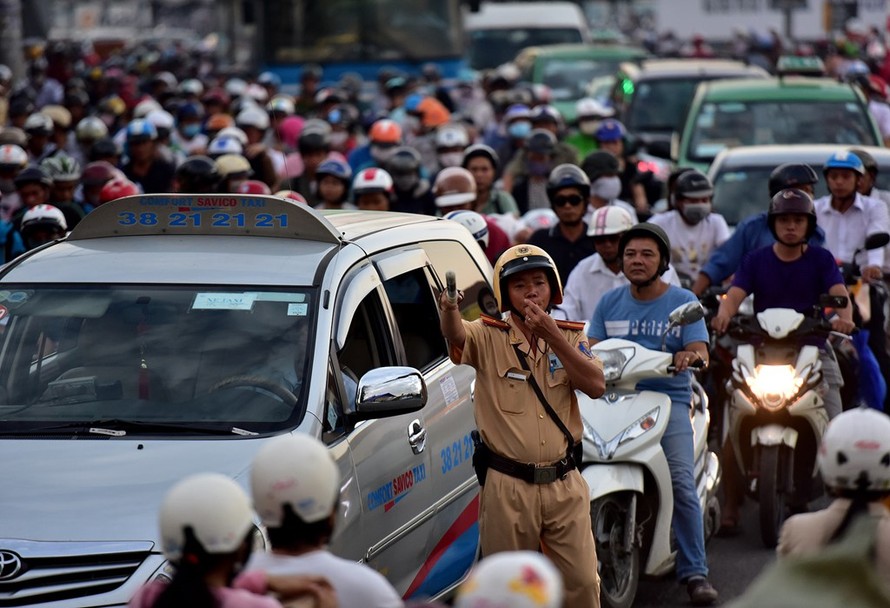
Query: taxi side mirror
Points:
[390, 391]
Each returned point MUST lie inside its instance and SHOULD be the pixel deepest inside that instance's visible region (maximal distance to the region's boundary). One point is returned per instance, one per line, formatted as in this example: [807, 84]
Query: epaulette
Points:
[572, 325]
[492, 322]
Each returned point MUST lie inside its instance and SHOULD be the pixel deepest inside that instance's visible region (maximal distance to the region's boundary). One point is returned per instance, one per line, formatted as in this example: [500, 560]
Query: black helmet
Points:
[314, 141]
[104, 148]
[597, 164]
[649, 231]
[791, 175]
[405, 160]
[198, 175]
[33, 174]
[692, 184]
[871, 165]
[788, 201]
[480, 150]
[541, 141]
[568, 176]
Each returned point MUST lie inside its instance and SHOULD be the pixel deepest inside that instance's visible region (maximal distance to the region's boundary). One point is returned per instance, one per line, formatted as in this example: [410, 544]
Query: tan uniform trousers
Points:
[554, 518]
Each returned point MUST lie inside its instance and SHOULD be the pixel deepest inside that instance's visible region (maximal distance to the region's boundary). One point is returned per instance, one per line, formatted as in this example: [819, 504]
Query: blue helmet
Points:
[844, 159]
[412, 102]
[610, 130]
[334, 168]
[141, 130]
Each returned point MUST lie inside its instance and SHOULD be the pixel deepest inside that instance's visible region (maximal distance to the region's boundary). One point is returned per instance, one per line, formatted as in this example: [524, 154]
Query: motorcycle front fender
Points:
[774, 434]
[603, 479]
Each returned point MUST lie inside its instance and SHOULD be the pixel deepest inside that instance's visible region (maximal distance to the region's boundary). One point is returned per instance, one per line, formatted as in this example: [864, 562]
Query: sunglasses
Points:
[574, 199]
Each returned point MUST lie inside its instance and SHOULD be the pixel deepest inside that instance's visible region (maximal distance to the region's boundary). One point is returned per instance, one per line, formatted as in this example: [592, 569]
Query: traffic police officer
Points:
[527, 369]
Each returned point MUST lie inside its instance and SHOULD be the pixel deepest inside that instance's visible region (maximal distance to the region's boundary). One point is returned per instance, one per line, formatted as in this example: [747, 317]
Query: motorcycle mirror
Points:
[876, 240]
[687, 313]
[829, 301]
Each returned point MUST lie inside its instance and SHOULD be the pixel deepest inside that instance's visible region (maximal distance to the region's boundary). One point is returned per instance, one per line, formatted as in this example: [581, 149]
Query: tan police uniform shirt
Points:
[510, 418]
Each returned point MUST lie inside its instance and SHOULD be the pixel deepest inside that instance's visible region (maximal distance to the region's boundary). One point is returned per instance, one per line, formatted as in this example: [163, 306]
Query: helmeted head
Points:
[65, 172]
[482, 161]
[454, 187]
[867, 181]
[116, 188]
[296, 473]
[472, 221]
[404, 167]
[384, 136]
[514, 579]
[792, 175]
[372, 189]
[692, 196]
[90, 129]
[451, 141]
[253, 187]
[634, 260]
[197, 175]
[606, 227]
[567, 175]
[220, 146]
[233, 170]
[42, 224]
[843, 171]
[211, 508]
[791, 201]
[518, 259]
[855, 452]
[330, 173]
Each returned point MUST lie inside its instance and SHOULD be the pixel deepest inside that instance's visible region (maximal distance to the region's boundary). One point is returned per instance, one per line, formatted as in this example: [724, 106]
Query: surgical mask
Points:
[450, 159]
[191, 129]
[404, 183]
[381, 154]
[606, 188]
[519, 129]
[588, 127]
[538, 168]
[695, 212]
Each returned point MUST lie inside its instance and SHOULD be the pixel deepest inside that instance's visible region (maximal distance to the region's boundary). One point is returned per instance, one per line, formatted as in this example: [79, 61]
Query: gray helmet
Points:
[792, 201]
[693, 184]
[651, 231]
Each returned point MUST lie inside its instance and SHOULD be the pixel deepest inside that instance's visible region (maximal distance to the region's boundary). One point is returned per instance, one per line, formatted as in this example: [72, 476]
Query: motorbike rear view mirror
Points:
[876, 240]
[687, 314]
[829, 301]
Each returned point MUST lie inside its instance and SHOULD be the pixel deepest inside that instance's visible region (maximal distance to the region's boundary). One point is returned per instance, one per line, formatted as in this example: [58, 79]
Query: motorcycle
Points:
[631, 496]
[777, 415]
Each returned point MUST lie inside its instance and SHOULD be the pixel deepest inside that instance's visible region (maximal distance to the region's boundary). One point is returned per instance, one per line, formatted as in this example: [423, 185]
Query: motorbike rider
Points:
[600, 272]
[413, 193]
[692, 226]
[787, 274]
[853, 460]
[455, 192]
[482, 162]
[754, 232]
[528, 366]
[333, 179]
[639, 312]
[868, 182]
[602, 169]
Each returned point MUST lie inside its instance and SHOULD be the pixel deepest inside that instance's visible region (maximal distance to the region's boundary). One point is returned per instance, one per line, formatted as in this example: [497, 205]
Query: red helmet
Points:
[99, 172]
[117, 188]
[292, 195]
[253, 186]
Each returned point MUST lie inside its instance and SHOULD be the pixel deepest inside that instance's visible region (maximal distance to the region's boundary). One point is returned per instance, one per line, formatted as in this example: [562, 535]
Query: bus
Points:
[359, 36]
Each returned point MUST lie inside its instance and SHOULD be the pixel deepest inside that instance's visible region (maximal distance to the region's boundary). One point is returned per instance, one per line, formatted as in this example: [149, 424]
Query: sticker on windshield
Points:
[224, 301]
[297, 310]
[3, 312]
[449, 389]
[17, 298]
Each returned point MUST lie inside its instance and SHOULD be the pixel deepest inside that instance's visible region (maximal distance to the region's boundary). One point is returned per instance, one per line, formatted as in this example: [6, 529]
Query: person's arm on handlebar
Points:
[843, 322]
[729, 306]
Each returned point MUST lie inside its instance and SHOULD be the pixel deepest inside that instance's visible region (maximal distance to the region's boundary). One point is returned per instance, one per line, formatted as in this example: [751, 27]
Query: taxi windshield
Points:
[125, 360]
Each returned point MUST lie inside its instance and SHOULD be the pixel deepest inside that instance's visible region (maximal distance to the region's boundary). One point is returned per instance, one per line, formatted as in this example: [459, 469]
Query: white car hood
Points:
[103, 490]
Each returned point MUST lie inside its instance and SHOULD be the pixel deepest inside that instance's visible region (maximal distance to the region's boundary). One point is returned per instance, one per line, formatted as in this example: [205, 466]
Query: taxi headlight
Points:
[614, 361]
[774, 385]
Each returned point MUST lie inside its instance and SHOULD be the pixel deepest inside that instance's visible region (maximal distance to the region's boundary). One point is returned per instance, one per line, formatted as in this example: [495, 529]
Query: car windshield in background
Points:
[568, 79]
[731, 124]
[661, 105]
[491, 48]
[744, 191]
[148, 359]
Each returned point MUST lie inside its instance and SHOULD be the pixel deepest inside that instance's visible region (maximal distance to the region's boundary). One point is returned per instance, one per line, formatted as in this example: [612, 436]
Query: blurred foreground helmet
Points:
[197, 175]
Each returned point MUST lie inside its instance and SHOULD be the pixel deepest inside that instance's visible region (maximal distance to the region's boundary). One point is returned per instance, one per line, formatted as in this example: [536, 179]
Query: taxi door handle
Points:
[416, 436]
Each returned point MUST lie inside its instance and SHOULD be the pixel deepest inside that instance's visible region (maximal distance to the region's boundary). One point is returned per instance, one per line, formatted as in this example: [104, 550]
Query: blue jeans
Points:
[687, 517]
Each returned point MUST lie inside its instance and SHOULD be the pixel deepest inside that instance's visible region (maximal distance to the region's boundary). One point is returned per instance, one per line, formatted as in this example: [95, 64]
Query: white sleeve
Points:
[879, 222]
[670, 276]
[571, 299]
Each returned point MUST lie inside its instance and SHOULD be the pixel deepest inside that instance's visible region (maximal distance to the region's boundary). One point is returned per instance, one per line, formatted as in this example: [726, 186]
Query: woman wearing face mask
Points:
[451, 140]
[693, 229]
[605, 184]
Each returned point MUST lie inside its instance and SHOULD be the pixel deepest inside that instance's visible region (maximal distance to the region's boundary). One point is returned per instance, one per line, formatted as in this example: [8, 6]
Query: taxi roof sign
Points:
[802, 66]
[205, 214]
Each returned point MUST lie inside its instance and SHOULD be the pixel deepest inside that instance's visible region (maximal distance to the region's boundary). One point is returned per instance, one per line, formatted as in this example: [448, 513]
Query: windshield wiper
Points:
[117, 427]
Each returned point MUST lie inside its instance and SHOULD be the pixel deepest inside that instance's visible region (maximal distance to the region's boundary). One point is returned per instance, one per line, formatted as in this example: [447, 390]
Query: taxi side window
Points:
[334, 418]
[478, 297]
[417, 315]
[367, 345]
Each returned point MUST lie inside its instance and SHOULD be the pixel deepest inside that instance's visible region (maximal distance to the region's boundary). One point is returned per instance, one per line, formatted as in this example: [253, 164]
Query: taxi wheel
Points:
[256, 382]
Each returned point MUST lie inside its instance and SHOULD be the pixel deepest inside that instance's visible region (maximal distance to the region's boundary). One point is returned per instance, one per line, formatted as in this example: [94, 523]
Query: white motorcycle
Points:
[631, 497]
[777, 414]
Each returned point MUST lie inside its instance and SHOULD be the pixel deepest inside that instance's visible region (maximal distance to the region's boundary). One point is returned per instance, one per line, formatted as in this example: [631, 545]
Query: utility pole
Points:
[11, 36]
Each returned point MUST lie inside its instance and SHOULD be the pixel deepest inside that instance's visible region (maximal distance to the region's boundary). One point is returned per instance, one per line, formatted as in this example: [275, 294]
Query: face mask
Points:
[191, 129]
[538, 168]
[382, 154]
[695, 212]
[520, 129]
[588, 127]
[404, 183]
[606, 188]
[450, 159]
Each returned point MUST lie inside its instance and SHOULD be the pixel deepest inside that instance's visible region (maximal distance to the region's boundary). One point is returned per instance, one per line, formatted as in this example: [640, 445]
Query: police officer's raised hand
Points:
[539, 322]
[446, 304]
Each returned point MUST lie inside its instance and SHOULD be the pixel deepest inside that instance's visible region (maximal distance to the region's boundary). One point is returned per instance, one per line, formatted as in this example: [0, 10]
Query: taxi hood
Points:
[104, 490]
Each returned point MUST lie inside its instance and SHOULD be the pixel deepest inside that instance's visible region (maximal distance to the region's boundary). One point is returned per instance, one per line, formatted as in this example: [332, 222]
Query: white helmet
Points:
[372, 180]
[38, 123]
[473, 222]
[161, 119]
[452, 136]
[144, 107]
[539, 218]
[235, 132]
[13, 156]
[609, 220]
[235, 87]
[257, 92]
[856, 449]
[191, 86]
[90, 128]
[215, 508]
[224, 145]
[232, 164]
[513, 579]
[253, 116]
[43, 215]
[281, 103]
[62, 168]
[294, 470]
[588, 107]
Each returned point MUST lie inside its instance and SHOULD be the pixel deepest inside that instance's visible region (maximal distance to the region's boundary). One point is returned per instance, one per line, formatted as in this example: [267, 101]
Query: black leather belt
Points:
[529, 472]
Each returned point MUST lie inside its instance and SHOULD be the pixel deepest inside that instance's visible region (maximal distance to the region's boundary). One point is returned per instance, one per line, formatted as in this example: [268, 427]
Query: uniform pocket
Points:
[557, 378]
[512, 387]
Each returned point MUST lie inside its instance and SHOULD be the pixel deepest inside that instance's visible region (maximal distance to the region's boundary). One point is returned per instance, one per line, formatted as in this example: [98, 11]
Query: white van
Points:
[498, 31]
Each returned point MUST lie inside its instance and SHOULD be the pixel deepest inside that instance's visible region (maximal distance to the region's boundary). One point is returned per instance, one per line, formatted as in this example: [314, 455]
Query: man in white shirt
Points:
[600, 272]
[848, 218]
[694, 231]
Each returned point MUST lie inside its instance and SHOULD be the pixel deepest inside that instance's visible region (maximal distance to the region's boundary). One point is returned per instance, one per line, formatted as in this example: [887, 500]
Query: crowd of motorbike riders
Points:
[494, 155]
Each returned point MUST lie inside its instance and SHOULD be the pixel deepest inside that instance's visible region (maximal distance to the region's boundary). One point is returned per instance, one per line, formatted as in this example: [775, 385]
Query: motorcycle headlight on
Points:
[773, 385]
[614, 361]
